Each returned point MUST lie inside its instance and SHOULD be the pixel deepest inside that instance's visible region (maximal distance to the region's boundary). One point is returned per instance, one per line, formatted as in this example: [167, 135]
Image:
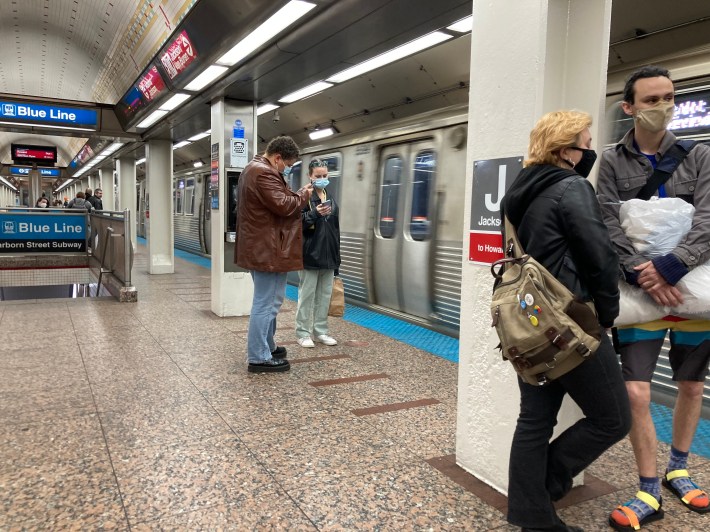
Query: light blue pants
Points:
[314, 289]
[269, 292]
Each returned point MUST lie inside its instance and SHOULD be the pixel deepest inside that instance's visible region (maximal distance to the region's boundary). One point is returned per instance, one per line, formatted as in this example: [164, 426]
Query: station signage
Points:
[491, 179]
[44, 172]
[151, 85]
[178, 56]
[49, 114]
[42, 233]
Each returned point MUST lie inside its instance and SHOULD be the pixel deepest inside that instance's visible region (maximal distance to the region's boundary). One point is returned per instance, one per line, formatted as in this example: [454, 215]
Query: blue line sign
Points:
[44, 172]
[49, 114]
[42, 233]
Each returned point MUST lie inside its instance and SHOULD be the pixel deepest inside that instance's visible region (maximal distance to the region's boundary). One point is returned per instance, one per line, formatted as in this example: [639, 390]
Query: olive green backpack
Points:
[544, 329]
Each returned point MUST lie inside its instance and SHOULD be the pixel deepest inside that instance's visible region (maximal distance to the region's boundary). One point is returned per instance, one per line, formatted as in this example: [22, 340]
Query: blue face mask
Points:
[321, 183]
[286, 172]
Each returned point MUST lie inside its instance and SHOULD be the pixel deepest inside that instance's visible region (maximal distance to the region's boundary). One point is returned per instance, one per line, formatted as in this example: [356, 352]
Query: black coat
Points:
[321, 236]
[559, 223]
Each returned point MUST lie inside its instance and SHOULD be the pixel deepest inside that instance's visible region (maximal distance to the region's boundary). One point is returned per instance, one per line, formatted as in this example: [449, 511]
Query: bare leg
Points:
[643, 432]
[687, 413]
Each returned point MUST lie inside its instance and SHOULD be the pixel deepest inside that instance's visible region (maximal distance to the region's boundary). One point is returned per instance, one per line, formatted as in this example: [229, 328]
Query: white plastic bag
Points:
[655, 228]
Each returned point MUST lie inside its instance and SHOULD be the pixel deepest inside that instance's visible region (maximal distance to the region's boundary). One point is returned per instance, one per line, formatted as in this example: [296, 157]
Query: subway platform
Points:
[142, 416]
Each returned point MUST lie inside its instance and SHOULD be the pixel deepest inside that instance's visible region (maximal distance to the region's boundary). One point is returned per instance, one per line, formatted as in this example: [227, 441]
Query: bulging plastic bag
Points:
[655, 228]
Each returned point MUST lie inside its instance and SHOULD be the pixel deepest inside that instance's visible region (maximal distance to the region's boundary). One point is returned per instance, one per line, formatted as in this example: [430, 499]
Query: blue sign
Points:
[49, 114]
[44, 172]
[238, 130]
[42, 233]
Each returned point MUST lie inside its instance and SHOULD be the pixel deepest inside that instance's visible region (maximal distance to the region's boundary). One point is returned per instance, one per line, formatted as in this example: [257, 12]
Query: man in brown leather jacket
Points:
[268, 243]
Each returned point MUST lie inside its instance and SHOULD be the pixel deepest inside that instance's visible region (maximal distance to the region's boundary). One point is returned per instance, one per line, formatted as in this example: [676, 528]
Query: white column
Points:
[106, 185]
[126, 169]
[538, 56]
[159, 180]
[232, 288]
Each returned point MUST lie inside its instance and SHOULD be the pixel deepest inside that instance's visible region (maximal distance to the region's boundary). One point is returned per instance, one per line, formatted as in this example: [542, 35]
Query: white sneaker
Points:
[306, 342]
[326, 340]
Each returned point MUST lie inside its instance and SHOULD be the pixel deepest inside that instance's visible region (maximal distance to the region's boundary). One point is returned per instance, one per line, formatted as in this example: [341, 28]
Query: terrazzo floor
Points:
[142, 416]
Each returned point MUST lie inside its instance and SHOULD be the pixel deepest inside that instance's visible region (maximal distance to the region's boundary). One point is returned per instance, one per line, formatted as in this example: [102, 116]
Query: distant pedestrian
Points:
[95, 200]
[79, 202]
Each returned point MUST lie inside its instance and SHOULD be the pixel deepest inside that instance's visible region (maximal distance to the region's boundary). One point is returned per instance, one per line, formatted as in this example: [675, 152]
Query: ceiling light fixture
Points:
[197, 164]
[8, 183]
[200, 136]
[322, 133]
[462, 26]
[140, 161]
[207, 76]
[266, 108]
[152, 118]
[175, 101]
[181, 144]
[275, 24]
[305, 92]
[412, 47]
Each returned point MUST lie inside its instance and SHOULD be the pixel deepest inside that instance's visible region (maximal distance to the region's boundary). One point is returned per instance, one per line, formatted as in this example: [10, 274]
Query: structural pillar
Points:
[232, 287]
[35, 187]
[106, 186]
[126, 170]
[538, 56]
[159, 182]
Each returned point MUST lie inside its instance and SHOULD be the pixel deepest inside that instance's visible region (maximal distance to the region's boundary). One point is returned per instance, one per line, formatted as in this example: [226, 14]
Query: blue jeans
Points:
[542, 471]
[269, 292]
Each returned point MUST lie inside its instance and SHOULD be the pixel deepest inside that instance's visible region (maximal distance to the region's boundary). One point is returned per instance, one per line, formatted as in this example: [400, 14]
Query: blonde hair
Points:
[554, 131]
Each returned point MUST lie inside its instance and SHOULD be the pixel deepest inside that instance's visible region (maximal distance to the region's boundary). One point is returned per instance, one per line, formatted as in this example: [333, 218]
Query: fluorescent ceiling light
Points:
[393, 55]
[175, 101]
[112, 148]
[140, 161]
[462, 26]
[305, 92]
[152, 118]
[200, 135]
[181, 144]
[197, 164]
[266, 108]
[321, 133]
[8, 183]
[42, 126]
[208, 75]
[275, 24]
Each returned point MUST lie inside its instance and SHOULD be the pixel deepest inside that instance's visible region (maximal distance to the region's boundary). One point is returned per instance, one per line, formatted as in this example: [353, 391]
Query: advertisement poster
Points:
[214, 176]
[178, 56]
[151, 85]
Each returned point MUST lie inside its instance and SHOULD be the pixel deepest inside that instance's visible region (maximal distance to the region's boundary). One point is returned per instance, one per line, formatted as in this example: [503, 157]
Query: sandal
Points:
[624, 518]
[694, 499]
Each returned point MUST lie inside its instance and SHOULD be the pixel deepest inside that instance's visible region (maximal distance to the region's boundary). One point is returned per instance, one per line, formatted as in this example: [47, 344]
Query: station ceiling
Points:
[93, 51]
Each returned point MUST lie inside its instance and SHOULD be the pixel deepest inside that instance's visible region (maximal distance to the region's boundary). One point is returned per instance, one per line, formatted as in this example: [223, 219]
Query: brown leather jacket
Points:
[269, 235]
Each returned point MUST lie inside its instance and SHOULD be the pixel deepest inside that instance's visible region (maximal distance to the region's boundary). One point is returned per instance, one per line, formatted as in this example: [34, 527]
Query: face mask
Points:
[585, 164]
[656, 118]
[287, 171]
[321, 182]
[42, 204]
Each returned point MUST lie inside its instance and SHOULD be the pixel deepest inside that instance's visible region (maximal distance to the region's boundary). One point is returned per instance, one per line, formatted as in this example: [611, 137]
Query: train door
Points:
[403, 231]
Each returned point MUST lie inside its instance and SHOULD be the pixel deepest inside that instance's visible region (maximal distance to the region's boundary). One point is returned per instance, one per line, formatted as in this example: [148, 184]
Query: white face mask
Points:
[656, 118]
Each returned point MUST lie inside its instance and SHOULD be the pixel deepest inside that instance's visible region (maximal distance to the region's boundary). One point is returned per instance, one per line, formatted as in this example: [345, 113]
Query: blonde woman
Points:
[558, 220]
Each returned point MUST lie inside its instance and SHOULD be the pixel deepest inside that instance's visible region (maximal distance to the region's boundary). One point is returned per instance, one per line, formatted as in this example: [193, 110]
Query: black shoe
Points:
[269, 366]
[279, 353]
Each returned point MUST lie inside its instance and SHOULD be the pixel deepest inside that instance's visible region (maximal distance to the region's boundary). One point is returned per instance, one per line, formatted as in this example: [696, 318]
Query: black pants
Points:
[542, 471]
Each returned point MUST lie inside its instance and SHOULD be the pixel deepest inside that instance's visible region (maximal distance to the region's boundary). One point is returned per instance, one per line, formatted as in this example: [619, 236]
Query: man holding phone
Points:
[321, 259]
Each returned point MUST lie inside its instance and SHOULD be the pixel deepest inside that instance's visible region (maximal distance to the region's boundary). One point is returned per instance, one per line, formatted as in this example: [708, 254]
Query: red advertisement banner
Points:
[151, 85]
[179, 55]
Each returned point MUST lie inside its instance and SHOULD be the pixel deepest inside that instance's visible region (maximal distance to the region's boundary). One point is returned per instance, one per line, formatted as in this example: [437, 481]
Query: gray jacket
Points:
[622, 174]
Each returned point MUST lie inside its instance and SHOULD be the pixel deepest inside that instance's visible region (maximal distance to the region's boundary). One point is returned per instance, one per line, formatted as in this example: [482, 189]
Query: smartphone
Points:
[328, 203]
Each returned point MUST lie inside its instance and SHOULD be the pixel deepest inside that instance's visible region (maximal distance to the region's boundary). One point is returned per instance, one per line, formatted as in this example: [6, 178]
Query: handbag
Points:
[337, 299]
[544, 329]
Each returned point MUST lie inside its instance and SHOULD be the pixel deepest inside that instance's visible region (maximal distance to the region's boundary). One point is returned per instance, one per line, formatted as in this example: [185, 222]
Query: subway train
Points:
[401, 193]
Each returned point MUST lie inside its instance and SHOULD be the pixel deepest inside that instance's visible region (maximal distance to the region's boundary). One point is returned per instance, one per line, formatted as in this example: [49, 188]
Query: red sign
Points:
[45, 155]
[485, 247]
[151, 85]
[179, 55]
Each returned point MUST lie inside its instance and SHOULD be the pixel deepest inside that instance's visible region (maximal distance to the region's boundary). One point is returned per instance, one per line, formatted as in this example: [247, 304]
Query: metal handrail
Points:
[107, 242]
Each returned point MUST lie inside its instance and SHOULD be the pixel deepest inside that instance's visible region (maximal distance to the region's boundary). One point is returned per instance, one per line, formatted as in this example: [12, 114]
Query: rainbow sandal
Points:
[624, 518]
[691, 498]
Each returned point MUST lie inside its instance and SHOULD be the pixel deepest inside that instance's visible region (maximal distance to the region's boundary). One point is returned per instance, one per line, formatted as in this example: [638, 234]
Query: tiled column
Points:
[126, 169]
[106, 186]
[159, 179]
[538, 56]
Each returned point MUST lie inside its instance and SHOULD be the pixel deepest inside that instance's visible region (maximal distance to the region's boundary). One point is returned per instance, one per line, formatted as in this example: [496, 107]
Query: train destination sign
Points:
[491, 180]
[49, 114]
[42, 233]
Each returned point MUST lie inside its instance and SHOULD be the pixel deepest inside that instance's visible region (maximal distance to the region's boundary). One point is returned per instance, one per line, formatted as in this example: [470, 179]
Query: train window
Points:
[389, 192]
[294, 179]
[422, 181]
[177, 198]
[190, 197]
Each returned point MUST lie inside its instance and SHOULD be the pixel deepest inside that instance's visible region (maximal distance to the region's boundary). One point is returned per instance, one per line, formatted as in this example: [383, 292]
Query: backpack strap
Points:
[512, 246]
[665, 167]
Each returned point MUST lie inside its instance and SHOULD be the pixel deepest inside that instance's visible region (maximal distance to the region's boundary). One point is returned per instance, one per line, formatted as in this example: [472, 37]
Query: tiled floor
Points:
[142, 416]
